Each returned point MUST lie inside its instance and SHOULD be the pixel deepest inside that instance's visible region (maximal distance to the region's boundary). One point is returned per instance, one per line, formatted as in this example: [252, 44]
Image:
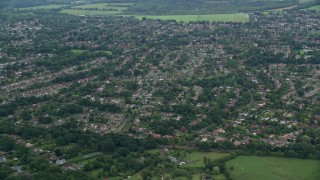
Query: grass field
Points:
[52, 6]
[121, 4]
[218, 177]
[79, 51]
[119, 8]
[90, 6]
[197, 158]
[98, 9]
[85, 158]
[239, 17]
[88, 12]
[101, 6]
[266, 168]
[304, 1]
[315, 8]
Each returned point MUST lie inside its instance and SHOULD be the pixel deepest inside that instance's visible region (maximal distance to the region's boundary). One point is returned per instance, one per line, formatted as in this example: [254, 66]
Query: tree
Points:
[108, 146]
[1, 6]
[146, 174]
[216, 170]
[123, 151]
[58, 152]
[26, 115]
[113, 171]
[6, 143]
[208, 164]
[205, 146]
[45, 119]
[160, 170]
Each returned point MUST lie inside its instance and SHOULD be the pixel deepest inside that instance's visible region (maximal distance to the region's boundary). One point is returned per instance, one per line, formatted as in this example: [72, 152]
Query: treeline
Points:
[31, 3]
[155, 7]
[122, 153]
[302, 150]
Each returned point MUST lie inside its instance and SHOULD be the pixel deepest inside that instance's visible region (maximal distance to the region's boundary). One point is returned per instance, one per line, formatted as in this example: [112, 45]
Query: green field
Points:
[267, 168]
[239, 17]
[315, 8]
[121, 4]
[77, 51]
[304, 1]
[52, 6]
[90, 6]
[88, 12]
[101, 6]
[196, 158]
[184, 18]
[98, 9]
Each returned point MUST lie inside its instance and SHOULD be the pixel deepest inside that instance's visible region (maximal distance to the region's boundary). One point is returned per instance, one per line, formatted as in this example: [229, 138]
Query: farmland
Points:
[88, 12]
[305, 1]
[98, 9]
[167, 7]
[117, 10]
[52, 6]
[238, 17]
[253, 167]
[92, 6]
[315, 8]
[102, 6]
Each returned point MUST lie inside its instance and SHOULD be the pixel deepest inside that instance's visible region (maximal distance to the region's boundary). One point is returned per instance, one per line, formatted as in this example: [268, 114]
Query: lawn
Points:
[153, 151]
[85, 158]
[52, 6]
[266, 168]
[239, 17]
[77, 51]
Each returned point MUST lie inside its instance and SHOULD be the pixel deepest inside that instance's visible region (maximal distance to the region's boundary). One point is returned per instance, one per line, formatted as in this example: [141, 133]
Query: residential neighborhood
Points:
[101, 95]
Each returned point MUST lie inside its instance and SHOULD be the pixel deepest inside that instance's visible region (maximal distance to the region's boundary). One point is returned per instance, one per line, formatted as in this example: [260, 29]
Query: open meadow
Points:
[266, 168]
[238, 17]
[315, 8]
[98, 9]
[88, 12]
[52, 6]
[92, 6]
[196, 158]
[101, 6]
[120, 9]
